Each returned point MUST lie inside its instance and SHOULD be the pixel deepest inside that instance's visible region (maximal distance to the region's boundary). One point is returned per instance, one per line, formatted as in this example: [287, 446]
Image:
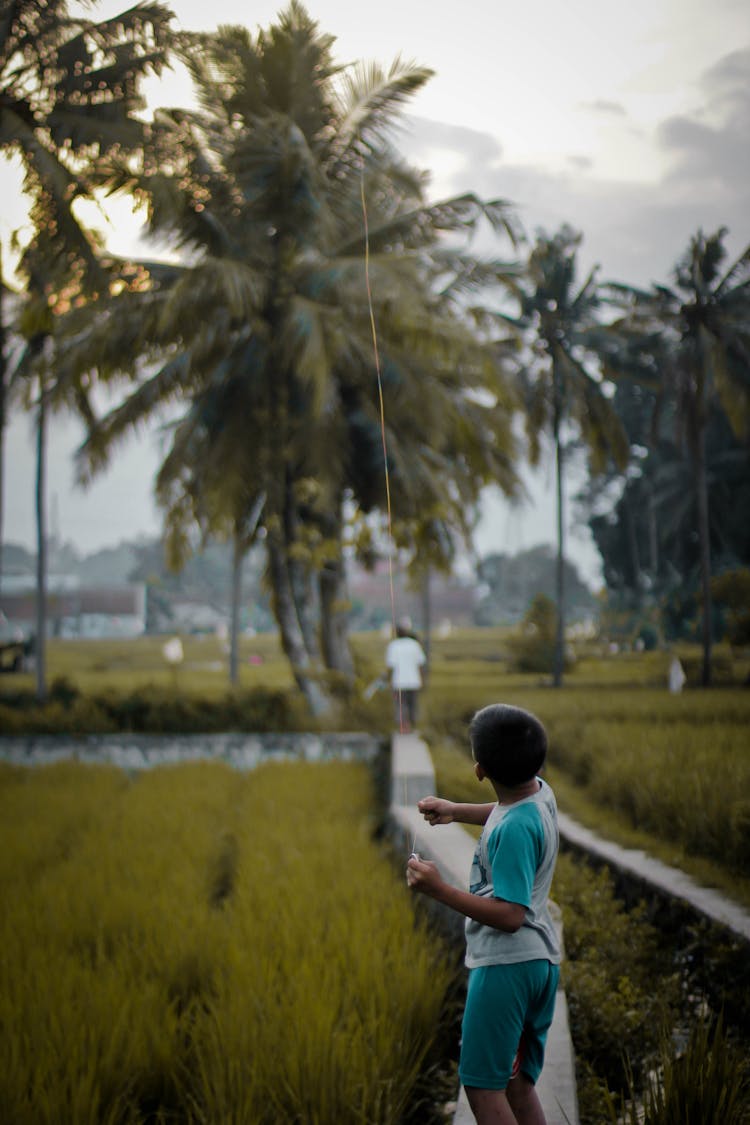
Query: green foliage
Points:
[707, 1083]
[533, 648]
[151, 709]
[512, 581]
[673, 765]
[70, 87]
[732, 590]
[204, 946]
[678, 768]
[613, 958]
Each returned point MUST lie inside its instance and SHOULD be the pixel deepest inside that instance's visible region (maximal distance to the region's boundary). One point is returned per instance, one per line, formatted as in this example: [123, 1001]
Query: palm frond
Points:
[738, 274]
[419, 226]
[138, 408]
[371, 98]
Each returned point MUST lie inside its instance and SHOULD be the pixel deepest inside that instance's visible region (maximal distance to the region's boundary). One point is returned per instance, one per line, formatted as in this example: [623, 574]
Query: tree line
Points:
[338, 370]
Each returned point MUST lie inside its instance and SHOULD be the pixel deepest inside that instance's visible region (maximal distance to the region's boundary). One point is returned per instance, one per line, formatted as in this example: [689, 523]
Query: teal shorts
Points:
[508, 1013]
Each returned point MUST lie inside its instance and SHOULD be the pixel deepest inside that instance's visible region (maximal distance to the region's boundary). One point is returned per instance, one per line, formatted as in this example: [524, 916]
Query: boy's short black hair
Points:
[510, 744]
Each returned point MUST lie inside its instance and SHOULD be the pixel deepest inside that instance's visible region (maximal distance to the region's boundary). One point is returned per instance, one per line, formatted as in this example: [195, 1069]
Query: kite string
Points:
[382, 422]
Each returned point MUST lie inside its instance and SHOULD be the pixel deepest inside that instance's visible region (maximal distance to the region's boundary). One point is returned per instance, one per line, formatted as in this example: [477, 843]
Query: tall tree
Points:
[565, 392]
[264, 188]
[693, 342]
[68, 92]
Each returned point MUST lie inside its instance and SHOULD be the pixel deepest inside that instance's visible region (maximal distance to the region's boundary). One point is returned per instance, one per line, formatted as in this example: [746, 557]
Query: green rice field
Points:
[202, 946]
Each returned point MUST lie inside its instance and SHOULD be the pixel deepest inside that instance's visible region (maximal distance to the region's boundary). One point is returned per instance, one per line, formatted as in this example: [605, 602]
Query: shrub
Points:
[704, 1084]
[732, 590]
[613, 958]
[150, 709]
[533, 648]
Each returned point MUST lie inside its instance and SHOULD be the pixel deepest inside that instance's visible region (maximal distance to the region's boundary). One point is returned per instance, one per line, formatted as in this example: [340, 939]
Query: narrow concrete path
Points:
[452, 848]
[669, 880]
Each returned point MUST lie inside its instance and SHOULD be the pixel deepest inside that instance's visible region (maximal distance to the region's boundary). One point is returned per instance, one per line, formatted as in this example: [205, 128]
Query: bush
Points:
[533, 649]
[732, 590]
[613, 959]
[707, 1083]
[151, 710]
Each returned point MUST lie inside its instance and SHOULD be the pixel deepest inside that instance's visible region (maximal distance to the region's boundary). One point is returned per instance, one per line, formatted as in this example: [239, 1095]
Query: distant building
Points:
[190, 616]
[452, 600]
[94, 612]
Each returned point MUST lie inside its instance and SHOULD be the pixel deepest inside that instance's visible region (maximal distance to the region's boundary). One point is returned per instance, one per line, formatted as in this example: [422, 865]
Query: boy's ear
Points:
[479, 772]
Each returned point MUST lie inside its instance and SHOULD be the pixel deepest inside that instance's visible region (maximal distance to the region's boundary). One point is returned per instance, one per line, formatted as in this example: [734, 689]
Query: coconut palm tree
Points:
[693, 344]
[68, 92]
[263, 188]
[565, 391]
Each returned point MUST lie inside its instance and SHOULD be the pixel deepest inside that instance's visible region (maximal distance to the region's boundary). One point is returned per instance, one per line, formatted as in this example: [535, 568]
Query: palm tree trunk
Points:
[635, 556]
[653, 537]
[305, 604]
[292, 640]
[334, 601]
[427, 619]
[300, 575]
[333, 618]
[559, 661]
[245, 531]
[40, 647]
[238, 558]
[701, 484]
[3, 410]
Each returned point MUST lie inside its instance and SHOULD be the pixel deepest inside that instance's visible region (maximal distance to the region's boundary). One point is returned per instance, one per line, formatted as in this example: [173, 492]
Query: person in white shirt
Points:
[405, 658]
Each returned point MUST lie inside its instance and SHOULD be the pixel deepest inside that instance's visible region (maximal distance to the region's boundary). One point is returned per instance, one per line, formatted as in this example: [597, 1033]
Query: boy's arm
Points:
[436, 810]
[424, 877]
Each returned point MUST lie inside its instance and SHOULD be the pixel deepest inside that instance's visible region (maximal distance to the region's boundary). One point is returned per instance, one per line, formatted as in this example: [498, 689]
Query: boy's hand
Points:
[423, 876]
[436, 810]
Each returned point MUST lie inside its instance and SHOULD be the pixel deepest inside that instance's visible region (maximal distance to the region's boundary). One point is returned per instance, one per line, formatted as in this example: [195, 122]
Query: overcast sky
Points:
[629, 121]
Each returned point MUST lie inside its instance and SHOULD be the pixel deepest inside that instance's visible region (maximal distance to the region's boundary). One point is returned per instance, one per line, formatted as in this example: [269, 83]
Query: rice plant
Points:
[706, 1083]
[198, 945]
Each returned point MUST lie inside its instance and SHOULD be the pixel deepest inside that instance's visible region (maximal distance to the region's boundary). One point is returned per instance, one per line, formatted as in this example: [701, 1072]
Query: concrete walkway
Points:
[452, 848]
[669, 880]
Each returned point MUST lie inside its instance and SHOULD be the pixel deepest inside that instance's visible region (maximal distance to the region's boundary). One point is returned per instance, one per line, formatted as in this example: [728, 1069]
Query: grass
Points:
[197, 945]
[115, 665]
[665, 773]
[669, 773]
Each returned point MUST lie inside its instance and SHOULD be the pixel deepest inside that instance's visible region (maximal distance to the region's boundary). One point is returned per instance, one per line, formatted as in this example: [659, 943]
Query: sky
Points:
[629, 122]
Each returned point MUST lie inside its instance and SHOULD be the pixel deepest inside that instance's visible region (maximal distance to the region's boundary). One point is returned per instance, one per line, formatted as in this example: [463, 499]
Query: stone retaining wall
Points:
[134, 752]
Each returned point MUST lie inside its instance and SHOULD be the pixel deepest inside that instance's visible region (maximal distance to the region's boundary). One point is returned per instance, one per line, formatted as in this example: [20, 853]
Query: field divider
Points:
[657, 876]
[451, 847]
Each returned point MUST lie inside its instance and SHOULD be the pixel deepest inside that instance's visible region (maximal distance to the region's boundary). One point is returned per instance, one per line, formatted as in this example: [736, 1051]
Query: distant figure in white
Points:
[405, 658]
[676, 677]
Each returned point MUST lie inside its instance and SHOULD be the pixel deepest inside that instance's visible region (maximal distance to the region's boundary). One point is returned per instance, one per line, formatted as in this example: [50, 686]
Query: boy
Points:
[512, 950]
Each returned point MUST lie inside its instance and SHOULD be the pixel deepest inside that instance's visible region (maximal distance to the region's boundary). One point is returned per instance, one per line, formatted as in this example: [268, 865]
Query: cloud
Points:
[709, 146]
[433, 144]
[730, 72]
[634, 230]
[603, 105]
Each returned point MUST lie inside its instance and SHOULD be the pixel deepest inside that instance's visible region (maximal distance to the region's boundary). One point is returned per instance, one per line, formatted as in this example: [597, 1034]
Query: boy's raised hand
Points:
[436, 810]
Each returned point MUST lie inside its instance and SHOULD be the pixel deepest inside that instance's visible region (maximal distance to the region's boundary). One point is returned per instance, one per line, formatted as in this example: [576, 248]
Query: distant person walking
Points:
[405, 658]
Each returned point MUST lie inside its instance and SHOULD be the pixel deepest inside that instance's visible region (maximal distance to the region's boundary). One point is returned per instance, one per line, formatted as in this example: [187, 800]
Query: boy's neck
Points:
[509, 796]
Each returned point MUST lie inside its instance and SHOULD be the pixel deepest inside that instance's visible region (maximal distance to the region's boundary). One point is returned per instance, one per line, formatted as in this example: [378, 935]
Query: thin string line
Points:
[382, 424]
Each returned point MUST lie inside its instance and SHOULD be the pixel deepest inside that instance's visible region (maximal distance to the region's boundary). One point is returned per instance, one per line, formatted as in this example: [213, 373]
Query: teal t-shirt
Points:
[515, 861]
